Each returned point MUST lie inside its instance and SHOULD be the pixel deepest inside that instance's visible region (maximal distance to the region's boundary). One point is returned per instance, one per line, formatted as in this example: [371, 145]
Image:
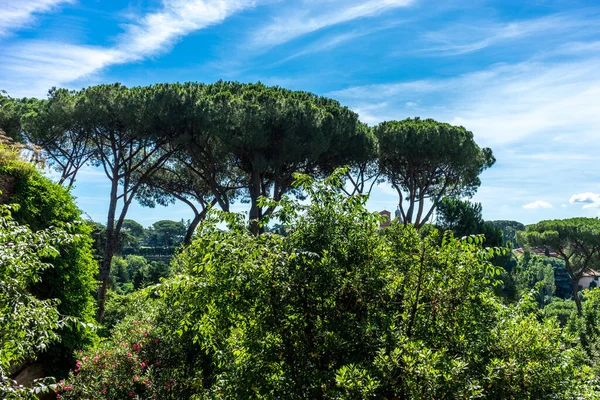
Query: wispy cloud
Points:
[589, 200]
[537, 204]
[31, 68]
[501, 104]
[313, 16]
[17, 14]
[156, 32]
[331, 42]
[466, 38]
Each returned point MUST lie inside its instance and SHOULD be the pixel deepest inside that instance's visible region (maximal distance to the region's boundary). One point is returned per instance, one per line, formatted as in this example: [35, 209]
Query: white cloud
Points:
[589, 200]
[31, 68]
[501, 104]
[537, 204]
[156, 32]
[17, 14]
[314, 16]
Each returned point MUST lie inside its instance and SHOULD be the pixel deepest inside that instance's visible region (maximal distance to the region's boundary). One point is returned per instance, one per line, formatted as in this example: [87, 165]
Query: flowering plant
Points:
[127, 366]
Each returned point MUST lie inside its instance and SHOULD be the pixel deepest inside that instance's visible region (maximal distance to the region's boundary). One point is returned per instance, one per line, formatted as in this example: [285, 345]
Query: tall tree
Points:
[133, 133]
[166, 233]
[460, 216]
[272, 133]
[10, 122]
[54, 126]
[425, 160]
[202, 174]
[361, 158]
[575, 240]
[465, 218]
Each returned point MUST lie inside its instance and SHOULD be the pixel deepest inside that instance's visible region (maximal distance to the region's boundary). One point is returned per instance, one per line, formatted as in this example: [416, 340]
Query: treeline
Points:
[142, 255]
[213, 144]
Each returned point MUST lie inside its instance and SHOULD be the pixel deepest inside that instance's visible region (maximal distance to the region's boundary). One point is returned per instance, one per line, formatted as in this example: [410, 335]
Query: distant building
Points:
[386, 219]
[589, 279]
[538, 251]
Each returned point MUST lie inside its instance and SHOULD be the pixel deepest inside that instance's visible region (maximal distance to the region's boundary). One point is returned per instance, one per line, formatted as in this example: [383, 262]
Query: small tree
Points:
[425, 160]
[575, 240]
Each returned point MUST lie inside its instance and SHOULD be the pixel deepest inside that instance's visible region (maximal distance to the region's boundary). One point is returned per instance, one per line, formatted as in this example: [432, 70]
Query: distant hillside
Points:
[509, 229]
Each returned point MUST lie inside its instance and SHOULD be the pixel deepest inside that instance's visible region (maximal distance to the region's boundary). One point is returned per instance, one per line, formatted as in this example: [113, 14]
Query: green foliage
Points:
[130, 365]
[464, 218]
[10, 122]
[166, 233]
[336, 310]
[135, 272]
[461, 217]
[135, 229]
[43, 204]
[55, 126]
[560, 309]
[534, 273]
[28, 324]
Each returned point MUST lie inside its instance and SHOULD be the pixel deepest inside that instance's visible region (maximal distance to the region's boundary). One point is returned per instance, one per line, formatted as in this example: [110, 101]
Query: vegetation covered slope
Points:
[41, 204]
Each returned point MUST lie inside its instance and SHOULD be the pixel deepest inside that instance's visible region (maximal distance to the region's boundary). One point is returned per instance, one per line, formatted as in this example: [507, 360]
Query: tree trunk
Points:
[192, 228]
[255, 210]
[109, 250]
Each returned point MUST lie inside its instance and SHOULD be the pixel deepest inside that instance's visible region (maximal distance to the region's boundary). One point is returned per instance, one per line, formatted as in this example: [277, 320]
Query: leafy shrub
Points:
[336, 310]
[128, 366]
[27, 324]
[71, 281]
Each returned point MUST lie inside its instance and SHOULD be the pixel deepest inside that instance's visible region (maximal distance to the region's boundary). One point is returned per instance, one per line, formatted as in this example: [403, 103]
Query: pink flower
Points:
[95, 358]
[143, 365]
[104, 390]
[156, 341]
[58, 396]
[135, 378]
[130, 394]
[136, 346]
[157, 363]
[128, 354]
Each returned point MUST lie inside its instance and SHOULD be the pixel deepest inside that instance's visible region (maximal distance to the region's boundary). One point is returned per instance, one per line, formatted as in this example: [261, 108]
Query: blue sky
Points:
[524, 76]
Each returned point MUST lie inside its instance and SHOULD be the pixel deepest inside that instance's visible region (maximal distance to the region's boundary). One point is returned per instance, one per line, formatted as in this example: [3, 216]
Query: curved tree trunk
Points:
[255, 210]
[192, 228]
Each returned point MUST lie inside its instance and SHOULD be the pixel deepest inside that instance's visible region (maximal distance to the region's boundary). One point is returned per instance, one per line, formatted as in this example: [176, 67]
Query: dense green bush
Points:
[27, 324]
[333, 310]
[44, 204]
